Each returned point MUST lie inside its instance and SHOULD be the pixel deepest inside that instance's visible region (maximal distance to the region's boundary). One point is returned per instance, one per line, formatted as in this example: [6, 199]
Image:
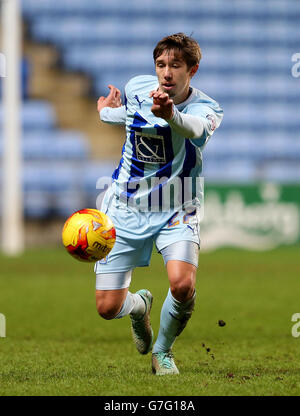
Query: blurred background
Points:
[71, 51]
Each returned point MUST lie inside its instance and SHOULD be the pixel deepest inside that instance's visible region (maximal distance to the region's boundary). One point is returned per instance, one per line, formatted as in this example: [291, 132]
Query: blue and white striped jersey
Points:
[156, 154]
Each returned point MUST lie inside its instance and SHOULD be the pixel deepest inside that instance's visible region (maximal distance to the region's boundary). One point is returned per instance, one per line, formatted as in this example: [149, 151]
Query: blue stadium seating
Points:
[54, 162]
[61, 187]
[247, 48]
[51, 189]
[53, 145]
[272, 146]
[36, 114]
[282, 172]
[52, 176]
[97, 171]
[98, 60]
[99, 30]
[255, 9]
[231, 171]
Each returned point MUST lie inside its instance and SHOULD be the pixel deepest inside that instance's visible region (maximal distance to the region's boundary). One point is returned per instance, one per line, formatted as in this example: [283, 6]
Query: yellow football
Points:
[89, 235]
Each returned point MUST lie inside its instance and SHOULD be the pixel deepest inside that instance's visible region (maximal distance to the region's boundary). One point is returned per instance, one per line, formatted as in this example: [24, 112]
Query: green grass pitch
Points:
[56, 344]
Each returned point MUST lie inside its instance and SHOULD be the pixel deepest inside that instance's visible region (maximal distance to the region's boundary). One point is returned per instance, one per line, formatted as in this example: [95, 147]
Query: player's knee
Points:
[182, 288]
[108, 310]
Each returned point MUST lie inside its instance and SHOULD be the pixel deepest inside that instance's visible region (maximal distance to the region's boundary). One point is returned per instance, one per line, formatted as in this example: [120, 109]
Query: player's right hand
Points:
[112, 100]
[162, 105]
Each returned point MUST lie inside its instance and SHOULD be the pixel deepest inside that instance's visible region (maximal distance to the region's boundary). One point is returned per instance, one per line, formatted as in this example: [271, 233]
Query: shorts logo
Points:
[150, 148]
[104, 260]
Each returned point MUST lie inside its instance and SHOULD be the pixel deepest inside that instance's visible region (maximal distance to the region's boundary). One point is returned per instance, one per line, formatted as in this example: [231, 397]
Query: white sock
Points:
[133, 305]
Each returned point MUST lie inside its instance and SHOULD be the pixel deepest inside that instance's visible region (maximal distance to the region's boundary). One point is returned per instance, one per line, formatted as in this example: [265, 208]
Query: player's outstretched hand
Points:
[112, 100]
[162, 105]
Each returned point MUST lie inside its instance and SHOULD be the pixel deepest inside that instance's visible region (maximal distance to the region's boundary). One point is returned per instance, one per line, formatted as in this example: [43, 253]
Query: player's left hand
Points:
[162, 105]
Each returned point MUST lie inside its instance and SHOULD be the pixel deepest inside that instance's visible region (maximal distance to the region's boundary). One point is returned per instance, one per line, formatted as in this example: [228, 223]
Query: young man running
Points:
[167, 124]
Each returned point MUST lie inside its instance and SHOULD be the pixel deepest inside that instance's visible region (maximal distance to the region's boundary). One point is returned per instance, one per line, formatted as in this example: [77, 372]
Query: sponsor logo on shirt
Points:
[150, 148]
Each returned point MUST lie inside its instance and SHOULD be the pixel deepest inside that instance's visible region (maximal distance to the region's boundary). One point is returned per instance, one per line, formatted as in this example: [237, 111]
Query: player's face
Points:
[174, 76]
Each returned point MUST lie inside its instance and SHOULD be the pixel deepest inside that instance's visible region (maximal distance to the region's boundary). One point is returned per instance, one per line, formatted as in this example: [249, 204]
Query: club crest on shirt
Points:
[150, 148]
[212, 120]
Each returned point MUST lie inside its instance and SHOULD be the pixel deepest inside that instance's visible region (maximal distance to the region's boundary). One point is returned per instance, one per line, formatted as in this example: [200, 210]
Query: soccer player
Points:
[168, 123]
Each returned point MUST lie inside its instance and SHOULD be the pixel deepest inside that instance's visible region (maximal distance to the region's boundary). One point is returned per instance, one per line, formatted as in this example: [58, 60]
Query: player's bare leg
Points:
[182, 278]
[110, 302]
[176, 311]
[115, 304]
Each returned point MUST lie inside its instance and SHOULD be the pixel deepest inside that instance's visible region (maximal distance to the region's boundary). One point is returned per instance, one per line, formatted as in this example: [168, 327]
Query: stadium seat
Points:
[247, 61]
[248, 88]
[95, 31]
[98, 172]
[281, 172]
[99, 60]
[52, 176]
[248, 145]
[55, 149]
[53, 145]
[68, 202]
[37, 204]
[35, 114]
[231, 171]
[261, 117]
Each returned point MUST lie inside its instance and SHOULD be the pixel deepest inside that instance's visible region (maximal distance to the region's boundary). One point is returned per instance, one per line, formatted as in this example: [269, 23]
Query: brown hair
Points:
[180, 43]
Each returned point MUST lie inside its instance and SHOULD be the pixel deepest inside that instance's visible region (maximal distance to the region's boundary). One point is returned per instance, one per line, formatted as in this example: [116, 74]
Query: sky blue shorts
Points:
[137, 231]
[186, 251]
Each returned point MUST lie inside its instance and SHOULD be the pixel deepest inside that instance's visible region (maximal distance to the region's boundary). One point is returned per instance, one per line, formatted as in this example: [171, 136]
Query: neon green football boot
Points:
[142, 332]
